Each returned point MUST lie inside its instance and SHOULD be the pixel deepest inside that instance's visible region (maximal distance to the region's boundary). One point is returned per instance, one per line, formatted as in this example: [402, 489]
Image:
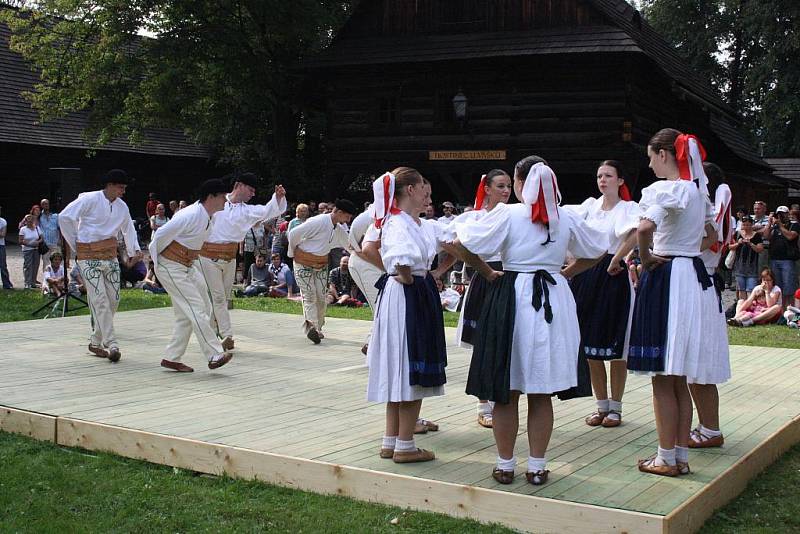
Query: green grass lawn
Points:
[48, 488]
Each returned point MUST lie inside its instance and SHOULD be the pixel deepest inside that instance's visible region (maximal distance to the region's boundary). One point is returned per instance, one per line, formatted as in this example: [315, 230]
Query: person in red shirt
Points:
[152, 204]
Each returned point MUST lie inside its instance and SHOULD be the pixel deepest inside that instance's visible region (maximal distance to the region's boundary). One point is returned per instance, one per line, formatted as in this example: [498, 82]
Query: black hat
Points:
[346, 206]
[247, 178]
[116, 176]
[211, 187]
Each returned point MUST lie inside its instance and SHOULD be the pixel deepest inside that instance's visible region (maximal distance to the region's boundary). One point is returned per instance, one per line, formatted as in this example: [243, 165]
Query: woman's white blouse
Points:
[680, 212]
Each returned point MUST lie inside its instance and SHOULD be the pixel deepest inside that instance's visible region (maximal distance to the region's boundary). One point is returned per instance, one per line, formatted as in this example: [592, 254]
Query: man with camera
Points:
[783, 251]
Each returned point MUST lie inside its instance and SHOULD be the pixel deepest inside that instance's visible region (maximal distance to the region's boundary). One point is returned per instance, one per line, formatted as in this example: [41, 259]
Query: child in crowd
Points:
[54, 276]
[450, 297]
[792, 314]
[260, 277]
[151, 283]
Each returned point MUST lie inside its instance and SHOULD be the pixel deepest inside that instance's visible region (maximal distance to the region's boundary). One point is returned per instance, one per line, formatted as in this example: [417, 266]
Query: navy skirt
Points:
[427, 355]
[604, 304]
[476, 295]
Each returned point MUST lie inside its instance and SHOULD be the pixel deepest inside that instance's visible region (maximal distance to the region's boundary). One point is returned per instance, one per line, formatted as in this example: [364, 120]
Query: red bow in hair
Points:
[682, 154]
[383, 197]
[625, 193]
[539, 208]
[480, 195]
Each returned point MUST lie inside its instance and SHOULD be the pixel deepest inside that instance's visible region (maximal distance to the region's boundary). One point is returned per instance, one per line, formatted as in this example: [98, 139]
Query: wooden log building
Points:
[54, 160]
[458, 87]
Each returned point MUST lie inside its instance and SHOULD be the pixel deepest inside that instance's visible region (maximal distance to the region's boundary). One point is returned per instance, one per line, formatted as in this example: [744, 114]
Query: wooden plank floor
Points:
[281, 394]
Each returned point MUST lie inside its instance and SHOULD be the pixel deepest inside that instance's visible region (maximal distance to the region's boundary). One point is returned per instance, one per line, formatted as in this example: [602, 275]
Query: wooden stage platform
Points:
[290, 413]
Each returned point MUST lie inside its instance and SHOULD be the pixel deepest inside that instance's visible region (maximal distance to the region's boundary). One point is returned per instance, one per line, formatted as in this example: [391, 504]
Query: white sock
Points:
[484, 408]
[216, 358]
[747, 322]
[710, 433]
[602, 405]
[614, 406]
[388, 442]
[536, 464]
[682, 454]
[667, 456]
[506, 465]
[405, 446]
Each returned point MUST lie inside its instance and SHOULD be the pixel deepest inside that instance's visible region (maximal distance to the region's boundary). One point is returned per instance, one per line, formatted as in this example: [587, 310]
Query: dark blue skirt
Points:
[603, 303]
[427, 355]
[476, 295]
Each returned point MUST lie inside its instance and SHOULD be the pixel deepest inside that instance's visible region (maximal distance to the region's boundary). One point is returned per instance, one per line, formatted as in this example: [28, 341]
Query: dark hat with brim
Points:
[116, 176]
[342, 204]
[211, 187]
[247, 178]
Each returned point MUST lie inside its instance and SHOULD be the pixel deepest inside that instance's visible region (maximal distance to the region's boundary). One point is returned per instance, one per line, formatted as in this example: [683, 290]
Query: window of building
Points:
[387, 110]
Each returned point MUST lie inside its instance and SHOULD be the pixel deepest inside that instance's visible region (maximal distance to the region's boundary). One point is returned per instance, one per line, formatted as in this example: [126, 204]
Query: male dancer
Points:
[90, 225]
[365, 273]
[309, 245]
[217, 262]
[174, 249]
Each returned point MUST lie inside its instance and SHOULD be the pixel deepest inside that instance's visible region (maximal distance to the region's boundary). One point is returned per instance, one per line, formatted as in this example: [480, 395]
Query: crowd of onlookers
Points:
[761, 265]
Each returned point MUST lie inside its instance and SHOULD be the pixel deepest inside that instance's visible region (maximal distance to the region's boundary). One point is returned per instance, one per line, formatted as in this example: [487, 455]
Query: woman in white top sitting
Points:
[527, 342]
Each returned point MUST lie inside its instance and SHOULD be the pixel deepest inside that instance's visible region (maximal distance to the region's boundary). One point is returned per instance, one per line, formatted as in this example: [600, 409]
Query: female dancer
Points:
[406, 353]
[527, 342]
[495, 188]
[703, 386]
[607, 287]
[667, 333]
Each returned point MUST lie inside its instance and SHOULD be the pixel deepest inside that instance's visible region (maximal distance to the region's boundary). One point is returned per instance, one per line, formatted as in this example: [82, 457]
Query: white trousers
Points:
[191, 305]
[101, 278]
[218, 276]
[313, 284]
[365, 275]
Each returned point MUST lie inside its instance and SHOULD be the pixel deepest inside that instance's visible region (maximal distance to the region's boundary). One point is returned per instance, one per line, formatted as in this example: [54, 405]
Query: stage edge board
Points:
[691, 515]
[520, 512]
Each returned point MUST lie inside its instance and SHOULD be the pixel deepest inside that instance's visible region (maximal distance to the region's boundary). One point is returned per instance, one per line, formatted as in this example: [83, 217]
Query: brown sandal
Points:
[610, 422]
[649, 466]
[419, 428]
[227, 343]
[596, 419]
[386, 454]
[537, 478]
[98, 351]
[503, 477]
[485, 420]
[698, 440]
[683, 468]
[408, 457]
[430, 425]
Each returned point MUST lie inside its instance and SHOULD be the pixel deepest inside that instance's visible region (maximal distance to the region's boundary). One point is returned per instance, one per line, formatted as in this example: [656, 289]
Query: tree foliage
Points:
[749, 50]
[225, 71]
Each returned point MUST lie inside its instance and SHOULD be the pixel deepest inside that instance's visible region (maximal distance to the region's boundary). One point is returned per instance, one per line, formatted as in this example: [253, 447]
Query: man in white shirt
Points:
[217, 262]
[364, 273]
[174, 249]
[90, 225]
[309, 245]
[3, 265]
[448, 210]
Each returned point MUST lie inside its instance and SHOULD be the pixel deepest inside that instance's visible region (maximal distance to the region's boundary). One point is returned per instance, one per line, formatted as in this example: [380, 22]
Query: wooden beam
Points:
[521, 512]
[691, 515]
[34, 425]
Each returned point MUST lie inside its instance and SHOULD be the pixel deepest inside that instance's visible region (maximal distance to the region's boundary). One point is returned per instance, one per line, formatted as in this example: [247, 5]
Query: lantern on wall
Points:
[460, 107]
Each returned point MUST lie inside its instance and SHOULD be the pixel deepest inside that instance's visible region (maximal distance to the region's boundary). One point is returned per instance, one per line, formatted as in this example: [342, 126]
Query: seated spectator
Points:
[150, 282]
[342, 291]
[54, 276]
[792, 314]
[158, 219]
[282, 278]
[130, 271]
[762, 307]
[76, 285]
[260, 278]
[450, 297]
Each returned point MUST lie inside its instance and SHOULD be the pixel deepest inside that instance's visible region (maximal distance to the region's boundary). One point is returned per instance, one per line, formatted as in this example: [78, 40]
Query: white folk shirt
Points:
[616, 222]
[91, 218]
[508, 230]
[680, 213]
[190, 227]
[359, 227]
[232, 223]
[318, 235]
[404, 242]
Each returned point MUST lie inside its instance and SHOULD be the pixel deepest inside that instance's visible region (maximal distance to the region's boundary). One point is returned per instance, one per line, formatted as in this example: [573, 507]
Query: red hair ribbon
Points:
[383, 199]
[480, 195]
[625, 193]
[682, 155]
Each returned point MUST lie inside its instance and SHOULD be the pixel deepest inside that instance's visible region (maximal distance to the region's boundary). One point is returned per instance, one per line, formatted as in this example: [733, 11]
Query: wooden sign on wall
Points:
[450, 155]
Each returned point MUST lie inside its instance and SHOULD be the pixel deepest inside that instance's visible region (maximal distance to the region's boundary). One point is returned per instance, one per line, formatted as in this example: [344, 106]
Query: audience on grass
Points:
[342, 290]
[763, 306]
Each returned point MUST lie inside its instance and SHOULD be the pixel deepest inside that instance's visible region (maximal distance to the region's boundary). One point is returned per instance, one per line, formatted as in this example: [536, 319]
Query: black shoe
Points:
[114, 354]
[313, 335]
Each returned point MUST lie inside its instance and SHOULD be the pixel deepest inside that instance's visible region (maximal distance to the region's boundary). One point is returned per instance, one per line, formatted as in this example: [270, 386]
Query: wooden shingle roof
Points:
[19, 123]
[787, 168]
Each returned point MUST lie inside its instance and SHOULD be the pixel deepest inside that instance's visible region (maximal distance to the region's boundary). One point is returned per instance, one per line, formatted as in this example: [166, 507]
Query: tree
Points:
[748, 50]
[225, 71]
